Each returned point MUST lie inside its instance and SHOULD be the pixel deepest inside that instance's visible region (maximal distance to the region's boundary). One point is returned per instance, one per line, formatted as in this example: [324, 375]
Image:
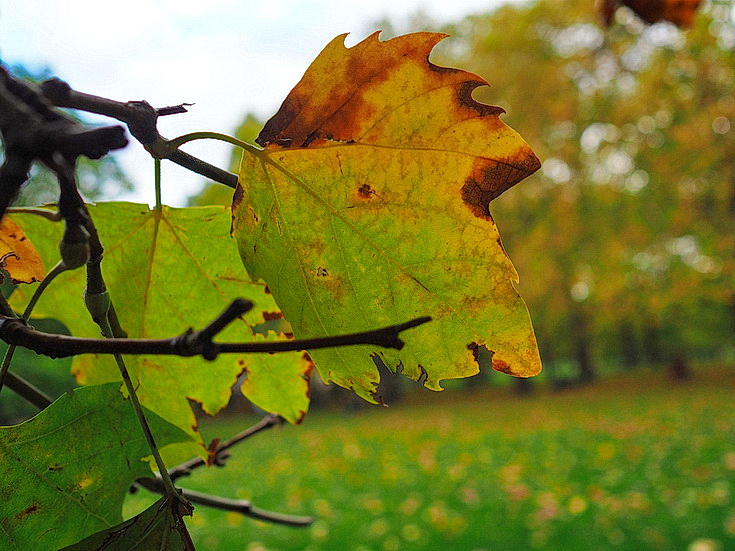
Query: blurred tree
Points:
[625, 241]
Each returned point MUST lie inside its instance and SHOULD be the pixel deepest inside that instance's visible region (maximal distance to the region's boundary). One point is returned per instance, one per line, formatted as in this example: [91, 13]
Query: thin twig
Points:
[58, 269]
[221, 454]
[241, 506]
[52, 215]
[173, 109]
[27, 390]
[168, 488]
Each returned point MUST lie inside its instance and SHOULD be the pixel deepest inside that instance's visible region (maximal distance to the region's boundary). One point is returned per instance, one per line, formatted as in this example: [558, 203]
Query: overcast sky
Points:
[227, 56]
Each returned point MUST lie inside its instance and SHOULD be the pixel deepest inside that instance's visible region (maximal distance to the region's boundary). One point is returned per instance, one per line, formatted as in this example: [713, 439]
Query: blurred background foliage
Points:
[630, 463]
[625, 241]
[625, 246]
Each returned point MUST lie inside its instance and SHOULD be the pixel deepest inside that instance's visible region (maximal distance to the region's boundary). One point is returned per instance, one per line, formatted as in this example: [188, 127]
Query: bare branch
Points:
[32, 130]
[15, 331]
[141, 119]
[27, 390]
[221, 454]
[241, 506]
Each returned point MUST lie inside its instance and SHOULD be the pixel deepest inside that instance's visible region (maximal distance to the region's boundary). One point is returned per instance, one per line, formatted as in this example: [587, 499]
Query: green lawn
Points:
[631, 463]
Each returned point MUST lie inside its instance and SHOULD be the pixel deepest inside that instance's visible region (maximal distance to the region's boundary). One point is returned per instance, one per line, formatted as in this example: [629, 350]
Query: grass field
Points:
[630, 463]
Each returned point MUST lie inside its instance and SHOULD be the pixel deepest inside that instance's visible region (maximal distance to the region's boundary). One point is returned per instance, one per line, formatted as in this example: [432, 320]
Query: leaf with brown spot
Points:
[369, 205]
[18, 256]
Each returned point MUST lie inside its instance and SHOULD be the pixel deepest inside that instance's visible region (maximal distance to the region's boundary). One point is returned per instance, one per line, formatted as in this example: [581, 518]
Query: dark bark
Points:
[523, 386]
[581, 343]
[652, 349]
[190, 343]
[484, 363]
[679, 369]
[629, 348]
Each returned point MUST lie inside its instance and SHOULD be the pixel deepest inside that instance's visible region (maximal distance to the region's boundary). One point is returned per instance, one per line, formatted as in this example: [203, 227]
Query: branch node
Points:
[56, 90]
[195, 343]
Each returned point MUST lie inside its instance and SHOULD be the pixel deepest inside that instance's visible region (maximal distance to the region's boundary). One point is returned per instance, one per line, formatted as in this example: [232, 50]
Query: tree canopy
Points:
[624, 241]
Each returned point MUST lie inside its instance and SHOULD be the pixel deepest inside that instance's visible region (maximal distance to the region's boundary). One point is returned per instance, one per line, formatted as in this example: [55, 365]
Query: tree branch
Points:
[32, 130]
[141, 119]
[27, 390]
[17, 332]
[241, 506]
[221, 454]
[30, 124]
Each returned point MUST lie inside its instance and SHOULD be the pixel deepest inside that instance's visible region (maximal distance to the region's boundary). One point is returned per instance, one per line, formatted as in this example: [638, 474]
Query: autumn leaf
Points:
[368, 206]
[678, 12]
[18, 257]
[83, 451]
[169, 269]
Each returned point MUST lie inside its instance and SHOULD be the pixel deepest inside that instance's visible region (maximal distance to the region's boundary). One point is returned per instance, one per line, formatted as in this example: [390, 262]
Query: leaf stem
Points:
[170, 489]
[52, 215]
[181, 140]
[57, 270]
[157, 177]
[27, 390]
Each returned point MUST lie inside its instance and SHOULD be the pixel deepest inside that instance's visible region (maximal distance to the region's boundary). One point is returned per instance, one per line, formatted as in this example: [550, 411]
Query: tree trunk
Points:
[679, 369]
[523, 386]
[629, 345]
[652, 344]
[484, 363]
[390, 390]
[581, 343]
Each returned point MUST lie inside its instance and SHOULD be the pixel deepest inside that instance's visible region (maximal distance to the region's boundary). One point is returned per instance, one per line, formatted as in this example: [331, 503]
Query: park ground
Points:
[632, 462]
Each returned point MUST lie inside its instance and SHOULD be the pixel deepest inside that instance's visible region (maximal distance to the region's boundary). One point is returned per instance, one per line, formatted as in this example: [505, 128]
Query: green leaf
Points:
[369, 206]
[155, 528]
[64, 473]
[281, 387]
[167, 270]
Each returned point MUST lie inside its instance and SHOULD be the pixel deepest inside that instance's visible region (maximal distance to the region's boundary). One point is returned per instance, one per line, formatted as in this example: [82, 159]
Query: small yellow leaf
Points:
[18, 256]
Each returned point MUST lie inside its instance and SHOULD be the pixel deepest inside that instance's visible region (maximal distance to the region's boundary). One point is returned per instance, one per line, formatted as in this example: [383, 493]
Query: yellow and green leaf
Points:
[166, 270]
[368, 206]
